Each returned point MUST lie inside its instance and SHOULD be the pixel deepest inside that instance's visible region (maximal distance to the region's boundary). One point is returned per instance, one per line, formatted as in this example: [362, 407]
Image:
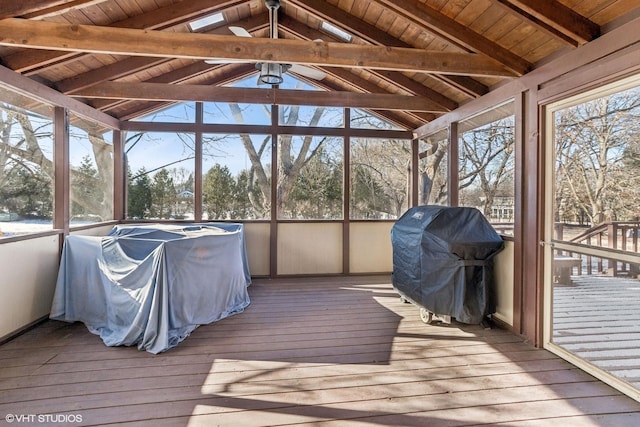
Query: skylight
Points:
[332, 29]
[206, 21]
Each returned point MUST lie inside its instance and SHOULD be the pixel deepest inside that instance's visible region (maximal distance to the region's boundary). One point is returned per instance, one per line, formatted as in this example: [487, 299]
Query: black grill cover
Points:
[442, 261]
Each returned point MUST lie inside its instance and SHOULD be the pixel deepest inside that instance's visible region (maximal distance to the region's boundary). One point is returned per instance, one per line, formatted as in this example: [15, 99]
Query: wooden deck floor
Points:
[598, 319]
[336, 351]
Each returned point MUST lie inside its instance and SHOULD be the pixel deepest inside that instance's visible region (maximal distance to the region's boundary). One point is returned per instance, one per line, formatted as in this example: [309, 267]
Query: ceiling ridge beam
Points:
[134, 42]
[170, 92]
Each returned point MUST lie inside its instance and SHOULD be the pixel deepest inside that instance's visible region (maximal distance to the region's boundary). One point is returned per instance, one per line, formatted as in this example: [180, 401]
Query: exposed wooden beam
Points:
[556, 19]
[347, 81]
[470, 87]
[134, 64]
[185, 75]
[347, 22]
[456, 33]
[109, 72]
[137, 109]
[164, 92]
[126, 41]
[47, 95]
[405, 119]
[158, 19]
[371, 34]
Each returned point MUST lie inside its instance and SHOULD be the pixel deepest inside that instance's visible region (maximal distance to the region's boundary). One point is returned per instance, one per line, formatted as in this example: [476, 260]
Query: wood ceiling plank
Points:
[340, 18]
[555, 19]
[613, 11]
[113, 11]
[170, 92]
[456, 33]
[472, 11]
[134, 42]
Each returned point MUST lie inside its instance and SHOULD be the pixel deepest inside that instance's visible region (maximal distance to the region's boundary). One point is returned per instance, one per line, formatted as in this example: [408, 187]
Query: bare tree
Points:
[289, 161]
[433, 176]
[486, 160]
[591, 141]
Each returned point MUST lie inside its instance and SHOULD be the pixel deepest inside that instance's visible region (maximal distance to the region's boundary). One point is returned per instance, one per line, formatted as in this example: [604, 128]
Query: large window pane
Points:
[379, 177]
[596, 220]
[91, 171]
[26, 159]
[486, 164]
[433, 169]
[184, 112]
[597, 170]
[224, 113]
[301, 115]
[160, 168]
[237, 176]
[361, 119]
[310, 177]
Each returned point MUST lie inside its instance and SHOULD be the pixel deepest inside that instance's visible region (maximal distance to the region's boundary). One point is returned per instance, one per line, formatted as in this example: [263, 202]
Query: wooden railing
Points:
[620, 235]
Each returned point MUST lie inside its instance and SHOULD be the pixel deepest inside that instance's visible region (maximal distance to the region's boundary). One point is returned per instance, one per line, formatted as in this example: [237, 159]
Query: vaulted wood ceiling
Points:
[409, 61]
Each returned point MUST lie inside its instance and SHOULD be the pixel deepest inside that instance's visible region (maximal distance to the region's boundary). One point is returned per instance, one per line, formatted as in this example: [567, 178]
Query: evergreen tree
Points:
[86, 194]
[218, 189]
[139, 194]
[35, 191]
[163, 194]
[242, 207]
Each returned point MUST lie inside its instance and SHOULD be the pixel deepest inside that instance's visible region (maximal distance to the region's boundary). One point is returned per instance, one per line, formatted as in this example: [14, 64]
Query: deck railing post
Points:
[612, 241]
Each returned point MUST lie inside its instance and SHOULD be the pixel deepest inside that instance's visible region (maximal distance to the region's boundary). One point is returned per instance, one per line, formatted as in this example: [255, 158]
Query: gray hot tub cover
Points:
[152, 285]
[442, 260]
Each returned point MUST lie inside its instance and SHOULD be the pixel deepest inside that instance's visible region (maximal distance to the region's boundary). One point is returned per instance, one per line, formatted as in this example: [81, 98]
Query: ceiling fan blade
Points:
[240, 32]
[312, 73]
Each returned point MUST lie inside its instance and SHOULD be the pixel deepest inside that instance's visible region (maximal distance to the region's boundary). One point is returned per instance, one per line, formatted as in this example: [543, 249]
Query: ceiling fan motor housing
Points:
[272, 4]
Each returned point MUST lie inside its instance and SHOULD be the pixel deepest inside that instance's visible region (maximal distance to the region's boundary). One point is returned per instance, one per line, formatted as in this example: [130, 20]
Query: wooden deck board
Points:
[598, 319]
[334, 351]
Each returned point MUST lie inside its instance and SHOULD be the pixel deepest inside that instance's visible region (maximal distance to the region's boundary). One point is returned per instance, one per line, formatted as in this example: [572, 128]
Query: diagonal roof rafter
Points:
[556, 19]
